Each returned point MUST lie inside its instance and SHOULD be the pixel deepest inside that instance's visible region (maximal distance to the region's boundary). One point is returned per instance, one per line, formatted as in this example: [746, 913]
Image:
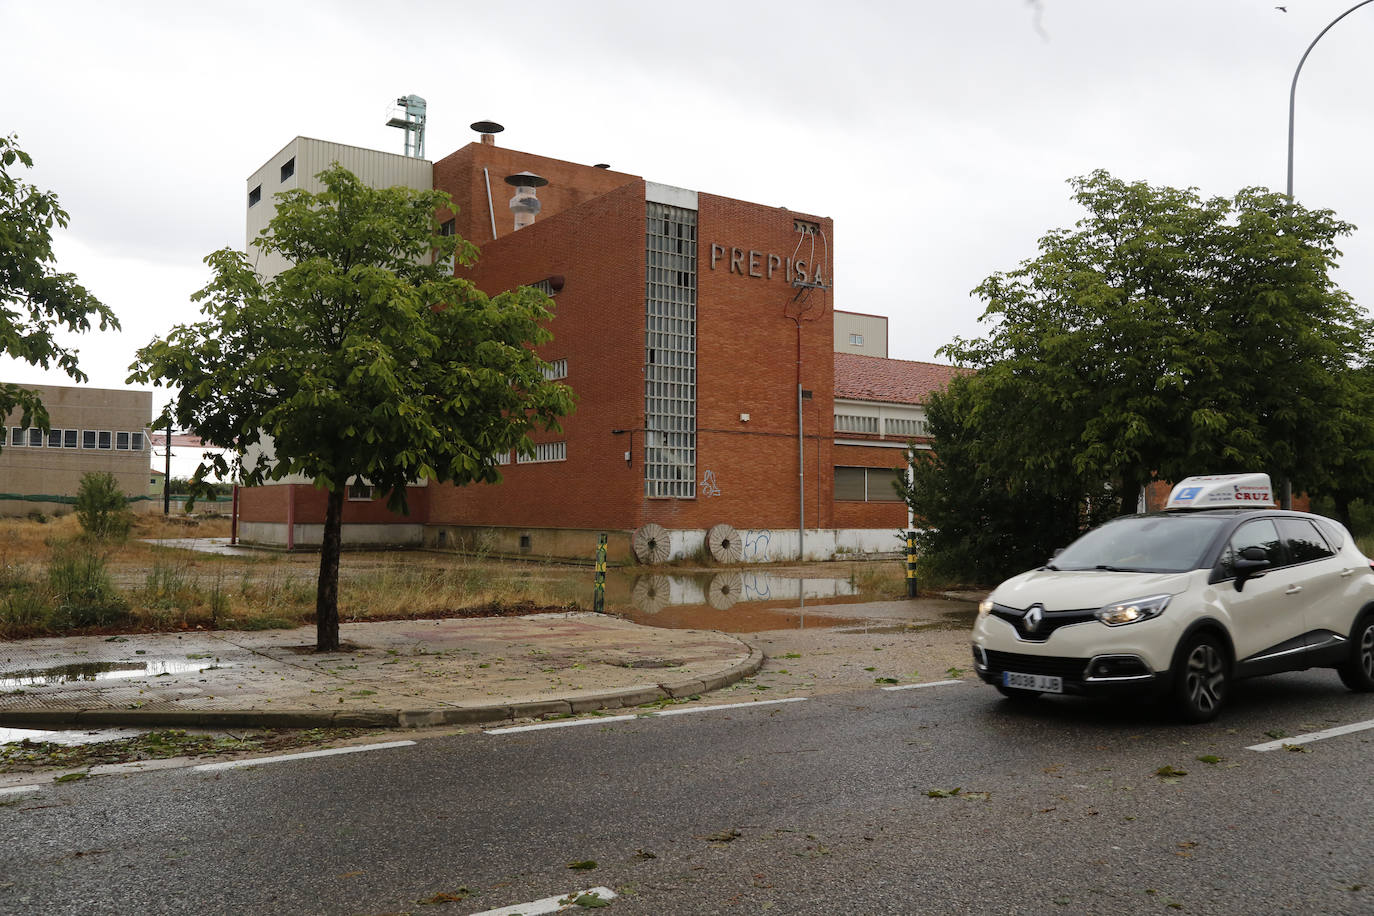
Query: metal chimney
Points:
[525, 204]
[488, 130]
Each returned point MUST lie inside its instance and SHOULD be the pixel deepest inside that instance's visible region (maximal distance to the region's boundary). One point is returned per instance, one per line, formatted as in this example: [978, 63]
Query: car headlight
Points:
[1133, 611]
[985, 607]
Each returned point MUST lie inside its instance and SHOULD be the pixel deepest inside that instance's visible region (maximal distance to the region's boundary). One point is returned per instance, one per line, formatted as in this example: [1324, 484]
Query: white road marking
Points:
[1313, 736]
[548, 904]
[915, 686]
[18, 790]
[648, 714]
[259, 761]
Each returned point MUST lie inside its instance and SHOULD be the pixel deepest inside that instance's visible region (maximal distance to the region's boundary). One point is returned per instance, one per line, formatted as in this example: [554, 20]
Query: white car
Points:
[1219, 586]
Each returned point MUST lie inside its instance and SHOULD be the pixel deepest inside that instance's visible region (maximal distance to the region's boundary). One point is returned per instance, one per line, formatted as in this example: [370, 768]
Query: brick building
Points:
[699, 333]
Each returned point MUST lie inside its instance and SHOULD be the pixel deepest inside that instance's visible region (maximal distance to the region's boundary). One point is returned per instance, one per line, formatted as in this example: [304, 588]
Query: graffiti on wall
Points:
[708, 484]
[756, 542]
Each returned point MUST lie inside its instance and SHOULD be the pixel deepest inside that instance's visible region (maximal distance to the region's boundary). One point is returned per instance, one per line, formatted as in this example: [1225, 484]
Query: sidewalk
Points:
[395, 674]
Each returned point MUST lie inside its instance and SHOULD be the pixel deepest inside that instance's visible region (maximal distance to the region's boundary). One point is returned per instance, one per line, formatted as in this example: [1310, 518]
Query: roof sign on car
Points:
[1220, 491]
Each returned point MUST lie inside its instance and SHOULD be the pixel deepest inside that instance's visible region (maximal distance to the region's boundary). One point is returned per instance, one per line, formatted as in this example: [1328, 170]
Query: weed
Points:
[82, 590]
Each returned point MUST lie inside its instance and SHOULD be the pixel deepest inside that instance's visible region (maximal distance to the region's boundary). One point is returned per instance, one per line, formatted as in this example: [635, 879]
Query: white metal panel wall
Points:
[872, 328]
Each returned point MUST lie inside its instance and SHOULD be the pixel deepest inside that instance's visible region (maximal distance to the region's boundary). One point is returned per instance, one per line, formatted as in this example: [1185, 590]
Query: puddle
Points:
[70, 738]
[101, 671]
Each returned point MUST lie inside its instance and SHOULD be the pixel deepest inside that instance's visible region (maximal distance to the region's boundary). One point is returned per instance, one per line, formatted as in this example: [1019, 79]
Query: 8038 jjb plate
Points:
[1042, 682]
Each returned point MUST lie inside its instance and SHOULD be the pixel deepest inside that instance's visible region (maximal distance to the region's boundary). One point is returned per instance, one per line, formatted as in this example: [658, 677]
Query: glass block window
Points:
[546, 451]
[556, 369]
[873, 485]
[853, 423]
[905, 427]
[670, 371]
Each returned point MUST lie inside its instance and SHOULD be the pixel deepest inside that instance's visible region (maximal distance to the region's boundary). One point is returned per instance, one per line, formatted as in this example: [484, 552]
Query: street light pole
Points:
[1292, 106]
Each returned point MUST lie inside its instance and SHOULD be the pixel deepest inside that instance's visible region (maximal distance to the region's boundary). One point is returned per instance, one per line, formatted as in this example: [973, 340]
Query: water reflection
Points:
[100, 671]
[755, 600]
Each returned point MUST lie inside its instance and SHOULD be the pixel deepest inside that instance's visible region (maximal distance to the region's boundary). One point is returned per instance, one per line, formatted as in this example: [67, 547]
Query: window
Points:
[359, 492]
[17, 436]
[448, 228]
[856, 340]
[88, 438]
[254, 196]
[288, 168]
[853, 423]
[873, 485]
[1259, 533]
[546, 451]
[54, 438]
[136, 442]
[905, 427]
[1304, 541]
[35, 437]
[69, 438]
[670, 357]
[106, 440]
[556, 369]
[122, 442]
[503, 458]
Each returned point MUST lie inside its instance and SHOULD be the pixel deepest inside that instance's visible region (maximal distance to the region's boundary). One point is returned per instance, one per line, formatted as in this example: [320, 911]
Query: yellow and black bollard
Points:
[911, 564]
[599, 590]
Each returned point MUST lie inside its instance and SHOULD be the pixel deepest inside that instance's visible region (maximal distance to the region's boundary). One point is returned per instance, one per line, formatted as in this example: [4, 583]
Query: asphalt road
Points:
[822, 805]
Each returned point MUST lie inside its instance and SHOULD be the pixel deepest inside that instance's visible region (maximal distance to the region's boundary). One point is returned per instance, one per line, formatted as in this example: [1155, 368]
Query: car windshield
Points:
[1143, 543]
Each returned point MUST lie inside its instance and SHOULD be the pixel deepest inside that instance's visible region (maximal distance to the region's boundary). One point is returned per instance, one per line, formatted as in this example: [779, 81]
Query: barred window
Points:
[670, 371]
[556, 369]
[360, 492]
[905, 427]
[546, 451]
[854, 423]
[503, 458]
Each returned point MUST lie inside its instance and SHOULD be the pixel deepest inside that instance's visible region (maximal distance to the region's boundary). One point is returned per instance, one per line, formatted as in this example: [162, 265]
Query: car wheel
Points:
[1357, 672]
[1015, 693]
[1202, 679]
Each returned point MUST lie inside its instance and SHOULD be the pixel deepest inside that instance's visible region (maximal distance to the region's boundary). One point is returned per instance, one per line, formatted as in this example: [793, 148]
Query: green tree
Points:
[102, 508]
[36, 302]
[364, 359]
[1163, 335]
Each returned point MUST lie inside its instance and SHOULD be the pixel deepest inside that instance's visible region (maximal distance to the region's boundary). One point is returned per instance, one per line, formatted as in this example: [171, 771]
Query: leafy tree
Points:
[101, 507]
[1163, 335]
[35, 300]
[364, 359]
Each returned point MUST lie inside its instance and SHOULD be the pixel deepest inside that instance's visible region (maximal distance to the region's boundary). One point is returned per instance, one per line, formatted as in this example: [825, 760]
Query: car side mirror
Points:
[1251, 562]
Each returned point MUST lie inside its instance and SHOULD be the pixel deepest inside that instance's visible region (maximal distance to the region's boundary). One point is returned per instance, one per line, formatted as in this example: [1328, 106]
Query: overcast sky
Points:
[939, 136]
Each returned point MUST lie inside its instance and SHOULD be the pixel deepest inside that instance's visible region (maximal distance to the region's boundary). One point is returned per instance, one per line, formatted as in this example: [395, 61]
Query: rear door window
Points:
[1304, 542]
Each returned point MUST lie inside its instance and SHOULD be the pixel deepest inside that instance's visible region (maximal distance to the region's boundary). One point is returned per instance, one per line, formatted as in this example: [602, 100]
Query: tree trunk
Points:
[327, 590]
[1130, 497]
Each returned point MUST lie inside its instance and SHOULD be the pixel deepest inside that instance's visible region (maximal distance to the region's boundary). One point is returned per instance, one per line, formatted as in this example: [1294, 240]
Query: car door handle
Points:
[1347, 573]
[1293, 589]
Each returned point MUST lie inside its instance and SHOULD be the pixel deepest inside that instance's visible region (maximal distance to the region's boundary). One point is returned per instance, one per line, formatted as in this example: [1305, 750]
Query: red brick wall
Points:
[869, 514]
[269, 504]
[460, 175]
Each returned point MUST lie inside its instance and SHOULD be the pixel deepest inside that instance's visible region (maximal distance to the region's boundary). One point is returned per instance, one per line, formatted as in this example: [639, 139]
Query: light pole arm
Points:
[1293, 92]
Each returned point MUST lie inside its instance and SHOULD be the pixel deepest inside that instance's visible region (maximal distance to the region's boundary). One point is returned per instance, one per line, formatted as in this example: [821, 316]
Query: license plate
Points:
[1042, 682]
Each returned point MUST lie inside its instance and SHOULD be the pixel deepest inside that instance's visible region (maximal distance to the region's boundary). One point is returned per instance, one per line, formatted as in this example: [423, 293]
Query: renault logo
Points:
[1034, 615]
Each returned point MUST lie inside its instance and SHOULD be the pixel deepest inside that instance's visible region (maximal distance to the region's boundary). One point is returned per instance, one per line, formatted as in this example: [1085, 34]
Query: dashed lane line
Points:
[916, 686]
[548, 904]
[1312, 736]
[330, 752]
[601, 720]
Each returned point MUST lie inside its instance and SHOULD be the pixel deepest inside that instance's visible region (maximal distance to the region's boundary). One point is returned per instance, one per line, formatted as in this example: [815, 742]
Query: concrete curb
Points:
[399, 718]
